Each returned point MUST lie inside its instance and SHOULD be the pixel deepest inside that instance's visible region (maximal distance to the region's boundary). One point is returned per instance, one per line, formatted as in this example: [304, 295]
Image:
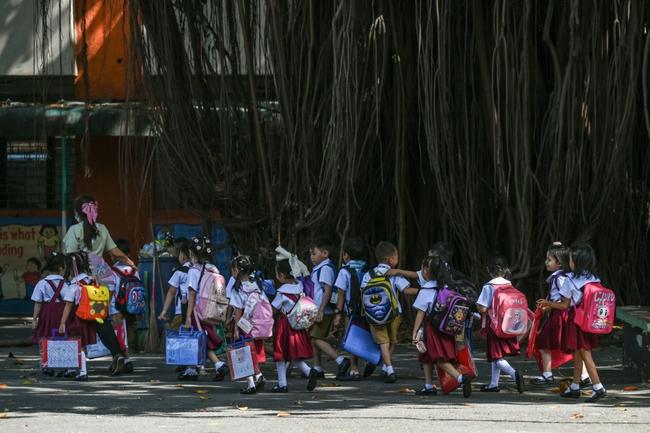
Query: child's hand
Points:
[163, 315]
[35, 323]
[543, 303]
[319, 317]
[62, 328]
[188, 323]
[393, 272]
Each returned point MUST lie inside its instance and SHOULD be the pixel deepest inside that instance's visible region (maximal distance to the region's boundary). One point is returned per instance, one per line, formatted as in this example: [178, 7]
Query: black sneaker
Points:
[319, 374]
[571, 393]
[260, 383]
[585, 383]
[120, 367]
[596, 395]
[220, 373]
[390, 378]
[248, 390]
[187, 376]
[280, 389]
[542, 381]
[425, 391]
[487, 388]
[369, 369]
[70, 374]
[81, 378]
[47, 372]
[343, 368]
[313, 380]
[520, 382]
[467, 385]
[128, 367]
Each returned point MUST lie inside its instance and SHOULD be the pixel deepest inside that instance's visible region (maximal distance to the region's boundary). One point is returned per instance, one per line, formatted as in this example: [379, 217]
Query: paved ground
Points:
[151, 399]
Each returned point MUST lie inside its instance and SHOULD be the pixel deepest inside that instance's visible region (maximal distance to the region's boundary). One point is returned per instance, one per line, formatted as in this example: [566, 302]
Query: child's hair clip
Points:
[557, 244]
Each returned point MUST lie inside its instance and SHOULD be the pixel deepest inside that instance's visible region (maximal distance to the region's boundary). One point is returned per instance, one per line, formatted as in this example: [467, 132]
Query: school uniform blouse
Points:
[194, 275]
[43, 290]
[84, 279]
[487, 293]
[179, 280]
[229, 286]
[74, 240]
[239, 296]
[556, 280]
[282, 302]
[571, 288]
[344, 282]
[323, 273]
[427, 295]
[399, 283]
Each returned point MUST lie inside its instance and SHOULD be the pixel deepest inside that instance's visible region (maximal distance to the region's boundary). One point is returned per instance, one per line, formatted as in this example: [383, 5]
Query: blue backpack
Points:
[131, 297]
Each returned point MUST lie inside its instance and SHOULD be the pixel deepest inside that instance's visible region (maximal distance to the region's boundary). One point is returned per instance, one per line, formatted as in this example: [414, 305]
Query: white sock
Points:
[281, 367]
[574, 386]
[584, 374]
[389, 369]
[547, 374]
[303, 367]
[460, 378]
[505, 367]
[127, 360]
[219, 364]
[496, 373]
[383, 367]
[250, 382]
[428, 386]
[190, 371]
[597, 386]
[339, 359]
[318, 368]
[258, 375]
[83, 370]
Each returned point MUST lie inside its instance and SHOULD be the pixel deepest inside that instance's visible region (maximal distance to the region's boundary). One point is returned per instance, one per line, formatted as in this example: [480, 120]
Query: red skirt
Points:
[289, 344]
[440, 346]
[214, 341]
[498, 348]
[550, 337]
[84, 329]
[575, 339]
[260, 353]
[48, 319]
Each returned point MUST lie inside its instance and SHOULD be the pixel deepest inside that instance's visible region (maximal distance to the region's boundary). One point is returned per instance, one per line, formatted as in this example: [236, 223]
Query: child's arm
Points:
[171, 294]
[481, 309]
[564, 304]
[191, 299]
[327, 295]
[411, 275]
[419, 318]
[64, 318]
[37, 313]
[411, 291]
[238, 313]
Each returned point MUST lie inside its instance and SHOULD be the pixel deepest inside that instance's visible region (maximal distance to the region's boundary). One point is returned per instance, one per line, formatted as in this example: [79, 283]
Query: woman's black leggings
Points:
[107, 334]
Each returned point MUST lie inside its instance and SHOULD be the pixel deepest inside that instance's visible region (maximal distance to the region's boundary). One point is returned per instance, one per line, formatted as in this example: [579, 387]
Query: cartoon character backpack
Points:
[450, 311]
[378, 302]
[258, 311]
[596, 312]
[93, 304]
[211, 300]
[131, 296]
[509, 312]
[303, 314]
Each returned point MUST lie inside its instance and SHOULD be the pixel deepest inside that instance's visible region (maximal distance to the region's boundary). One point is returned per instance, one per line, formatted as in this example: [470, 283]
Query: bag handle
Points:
[238, 344]
[57, 336]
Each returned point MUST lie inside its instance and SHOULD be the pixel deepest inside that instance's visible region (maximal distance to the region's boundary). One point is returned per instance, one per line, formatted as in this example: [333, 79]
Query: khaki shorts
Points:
[321, 330]
[385, 334]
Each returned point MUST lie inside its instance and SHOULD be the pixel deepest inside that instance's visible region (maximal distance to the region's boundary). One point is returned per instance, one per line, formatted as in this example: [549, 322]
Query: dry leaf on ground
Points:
[3, 385]
[4, 415]
[242, 407]
[631, 388]
[406, 391]
[283, 414]
[577, 416]
[201, 391]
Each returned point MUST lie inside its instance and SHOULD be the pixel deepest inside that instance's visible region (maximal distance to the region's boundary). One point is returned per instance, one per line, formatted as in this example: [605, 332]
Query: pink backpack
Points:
[509, 312]
[211, 300]
[258, 311]
[596, 312]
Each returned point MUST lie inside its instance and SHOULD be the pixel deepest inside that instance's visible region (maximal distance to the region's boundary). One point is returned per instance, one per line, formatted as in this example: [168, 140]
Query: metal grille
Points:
[30, 173]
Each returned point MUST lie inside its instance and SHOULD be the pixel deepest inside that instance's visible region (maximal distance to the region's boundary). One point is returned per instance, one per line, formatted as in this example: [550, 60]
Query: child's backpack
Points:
[464, 287]
[303, 314]
[509, 312]
[307, 286]
[211, 300]
[595, 313]
[93, 304]
[450, 311]
[258, 312]
[378, 301]
[354, 306]
[131, 297]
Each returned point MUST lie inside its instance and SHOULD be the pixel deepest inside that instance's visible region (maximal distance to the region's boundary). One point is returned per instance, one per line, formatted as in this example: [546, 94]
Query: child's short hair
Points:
[323, 244]
[48, 226]
[79, 260]
[182, 245]
[55, 262]
[561, 254]
[384, 250]
[283, 267]
[584, 259]
[498, 267]
[354, 248]
[442, 250]
[35, 261]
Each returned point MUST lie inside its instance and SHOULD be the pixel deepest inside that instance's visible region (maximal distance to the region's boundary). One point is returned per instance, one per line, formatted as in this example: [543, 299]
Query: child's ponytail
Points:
[202, 249]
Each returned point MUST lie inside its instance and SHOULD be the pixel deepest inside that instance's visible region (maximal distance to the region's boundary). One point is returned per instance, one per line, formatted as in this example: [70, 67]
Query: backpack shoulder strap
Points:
[57, 290]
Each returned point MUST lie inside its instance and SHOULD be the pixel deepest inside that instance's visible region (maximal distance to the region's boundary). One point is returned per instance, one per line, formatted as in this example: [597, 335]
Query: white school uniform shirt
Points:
[179, 280]
[573, 284]
[194, 275]
[487, 293]
[343, 283]
[323, 273]
[427, 294]
[229, 286]
[43, 291]
[555, 281]
[84, 279]
[399, 283]
[282, 302]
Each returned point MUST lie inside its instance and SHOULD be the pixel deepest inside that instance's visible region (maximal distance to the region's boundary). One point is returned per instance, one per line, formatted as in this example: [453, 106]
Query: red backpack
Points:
[509, 312]
[596, 312]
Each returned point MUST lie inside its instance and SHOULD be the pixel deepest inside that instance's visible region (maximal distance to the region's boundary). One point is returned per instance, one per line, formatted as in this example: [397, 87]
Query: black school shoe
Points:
[467, 385]
[570, 393]
[260, 383]
[120, 367]
[542, 381]
[425, 391]
[585, 383]
[369, 369]
[128, 367]
[188, 376]
[47, 372]
[520, 382]
[248, 390]
[352, 376]
[81, 378]
[280, 389]
[596, 395]
[486, 388]
[220, 373]
[390, 378]
[313, 380]
[343, 368]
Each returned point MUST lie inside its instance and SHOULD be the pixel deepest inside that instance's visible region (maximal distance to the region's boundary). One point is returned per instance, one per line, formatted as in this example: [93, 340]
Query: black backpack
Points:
[354, 306]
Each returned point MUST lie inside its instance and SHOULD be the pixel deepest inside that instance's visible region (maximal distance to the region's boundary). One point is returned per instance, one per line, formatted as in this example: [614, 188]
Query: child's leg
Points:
[495, 375]
[326, 348]
[585, 372]
[546, 363]
[590, 366]
[450, 370]
[354, 364]
[386, 357]
[505, 366]
[428, 375]
[303, 367]
[281, 367]
[577, 367]
[316, 361]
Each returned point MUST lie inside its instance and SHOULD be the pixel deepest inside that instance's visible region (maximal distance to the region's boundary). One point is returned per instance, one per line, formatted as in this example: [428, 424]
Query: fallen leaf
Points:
[406, 391]
[29, 382]
[577, 416]
[283, 414]
[468, 404]
[564, 385]
[178, 385]
[585, 393]
[3, 385]
[242, 407]
[18, 362]
[201, 391]
[329, 385]
[555, 390]
[631, 388]
[4, 415]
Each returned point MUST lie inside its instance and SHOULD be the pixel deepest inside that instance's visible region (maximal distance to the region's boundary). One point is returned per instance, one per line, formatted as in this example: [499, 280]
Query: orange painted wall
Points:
[107, 36]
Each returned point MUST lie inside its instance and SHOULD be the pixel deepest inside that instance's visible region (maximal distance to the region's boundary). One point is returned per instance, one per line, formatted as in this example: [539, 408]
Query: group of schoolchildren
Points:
[350, 294]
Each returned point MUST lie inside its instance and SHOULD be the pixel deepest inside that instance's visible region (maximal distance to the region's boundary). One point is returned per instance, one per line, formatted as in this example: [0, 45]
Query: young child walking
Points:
[50, 295]
[290, 345]
[582, 263]
[323, 275]
[498, 348]
[200, 255]
[385, 335]
[178, 285]
[245, 286]
[440, 347]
